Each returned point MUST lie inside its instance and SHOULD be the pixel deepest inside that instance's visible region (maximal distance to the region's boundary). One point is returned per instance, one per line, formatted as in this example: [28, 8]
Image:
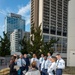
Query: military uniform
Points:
[44, 67]
[60, 66]
[40, 61]
[52, 69]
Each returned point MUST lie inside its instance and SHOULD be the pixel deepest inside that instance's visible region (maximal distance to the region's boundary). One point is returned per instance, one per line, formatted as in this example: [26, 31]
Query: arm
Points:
[51, 68]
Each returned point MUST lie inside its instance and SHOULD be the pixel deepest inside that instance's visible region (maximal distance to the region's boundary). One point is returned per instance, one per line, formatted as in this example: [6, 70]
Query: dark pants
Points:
[21, 71]
[44, 72]
[26, 68]
[58, 71]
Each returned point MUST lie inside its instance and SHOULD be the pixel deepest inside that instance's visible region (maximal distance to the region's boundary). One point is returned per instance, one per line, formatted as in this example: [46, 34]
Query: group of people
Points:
[45, 65]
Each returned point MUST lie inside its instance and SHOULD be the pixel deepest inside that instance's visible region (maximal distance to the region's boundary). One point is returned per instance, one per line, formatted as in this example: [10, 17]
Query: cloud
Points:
[3, 12]
[25, 11]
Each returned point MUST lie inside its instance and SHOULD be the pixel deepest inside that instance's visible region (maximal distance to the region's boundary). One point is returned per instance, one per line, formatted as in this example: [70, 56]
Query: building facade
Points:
[27, 35]
[34, 12]
[13, 21]
[71, 34]
[53, 16]
[15, 39]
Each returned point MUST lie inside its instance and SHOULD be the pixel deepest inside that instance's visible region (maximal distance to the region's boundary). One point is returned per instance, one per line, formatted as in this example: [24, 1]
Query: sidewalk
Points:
[66, 74]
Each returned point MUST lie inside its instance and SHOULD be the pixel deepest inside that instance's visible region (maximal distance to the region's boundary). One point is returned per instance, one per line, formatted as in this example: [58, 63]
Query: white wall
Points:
[71, 34]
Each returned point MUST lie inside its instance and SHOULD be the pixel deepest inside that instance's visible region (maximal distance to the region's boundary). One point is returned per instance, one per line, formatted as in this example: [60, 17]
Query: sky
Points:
[21, 7]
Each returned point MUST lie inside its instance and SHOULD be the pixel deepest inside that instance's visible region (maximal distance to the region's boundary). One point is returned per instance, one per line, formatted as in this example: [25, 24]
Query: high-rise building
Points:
[34, 12]
[71, 34]
[15, 39]
[13, 21]
[53, 15]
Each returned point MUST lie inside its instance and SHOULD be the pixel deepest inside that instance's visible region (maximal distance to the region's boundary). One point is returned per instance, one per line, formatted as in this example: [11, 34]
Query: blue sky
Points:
[21, 7]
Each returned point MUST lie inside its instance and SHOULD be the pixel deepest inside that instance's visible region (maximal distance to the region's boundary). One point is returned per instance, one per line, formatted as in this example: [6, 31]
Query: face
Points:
[58, 57]
[42, 55]
[52, 60]
[21, 56]
[25, 55]
[48, 54]
[34, 55]
[11, 61]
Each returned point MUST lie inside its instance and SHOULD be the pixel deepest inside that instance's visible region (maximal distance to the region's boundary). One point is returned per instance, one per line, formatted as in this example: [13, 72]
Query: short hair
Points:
[33, 64]
[58, 55]
[53, 57]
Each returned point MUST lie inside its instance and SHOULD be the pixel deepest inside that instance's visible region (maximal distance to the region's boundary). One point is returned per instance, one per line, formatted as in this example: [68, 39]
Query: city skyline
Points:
[18, 7]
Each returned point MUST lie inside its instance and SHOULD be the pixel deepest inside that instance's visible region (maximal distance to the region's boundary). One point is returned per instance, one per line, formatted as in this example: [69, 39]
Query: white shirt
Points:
[41, 60]
[37, 61]
[60, 64]
[21, 62]
[45, 64]
[51, 68]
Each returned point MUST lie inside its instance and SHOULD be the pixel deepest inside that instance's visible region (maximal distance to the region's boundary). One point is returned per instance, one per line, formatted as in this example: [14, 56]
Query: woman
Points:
[52, 67]
[11, 66]
[33, 70]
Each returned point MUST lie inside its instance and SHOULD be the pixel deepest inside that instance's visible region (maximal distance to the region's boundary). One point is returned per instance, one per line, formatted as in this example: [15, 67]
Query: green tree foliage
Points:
[36, 40]
[4, 45]
[25, 45]
[48, 46]
[38, 45]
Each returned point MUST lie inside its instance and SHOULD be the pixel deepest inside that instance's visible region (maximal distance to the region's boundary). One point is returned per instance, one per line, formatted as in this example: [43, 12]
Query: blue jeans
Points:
[58, 71]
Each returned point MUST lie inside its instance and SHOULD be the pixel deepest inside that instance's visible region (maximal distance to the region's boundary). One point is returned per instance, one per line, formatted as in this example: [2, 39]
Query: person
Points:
[60, 65]
[21, 63]
[27, 62]
[41, 60]
[52, 67]
[35, 59]
[48, 59]
[33, 70]
[49, 55]
[14, 57]
[44, 66]
[11, 66]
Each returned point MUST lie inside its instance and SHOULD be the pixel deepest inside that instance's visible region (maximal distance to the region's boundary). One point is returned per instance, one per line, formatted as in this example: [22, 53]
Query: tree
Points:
[38, 45]
[25, 45]
[48, 46]
[36, 40]
[4, 45]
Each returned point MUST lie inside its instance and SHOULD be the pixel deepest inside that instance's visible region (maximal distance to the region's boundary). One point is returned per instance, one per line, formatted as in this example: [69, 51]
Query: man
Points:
[60, 65]
[44, 66]
[48, 59]
[27, 62]
[49, 55]
[41, 60]
[35, 59]
[21, 63]
[52, 67]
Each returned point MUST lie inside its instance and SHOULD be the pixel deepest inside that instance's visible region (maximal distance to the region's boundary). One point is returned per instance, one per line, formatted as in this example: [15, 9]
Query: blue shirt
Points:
[21, 62]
